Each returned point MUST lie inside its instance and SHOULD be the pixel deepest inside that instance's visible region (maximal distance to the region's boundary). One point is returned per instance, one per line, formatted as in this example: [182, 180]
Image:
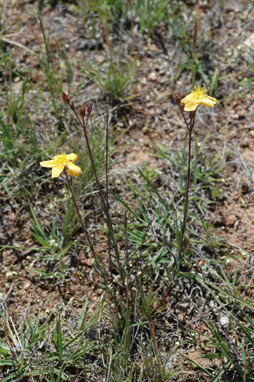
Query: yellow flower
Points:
[197, 97]
[60, 162]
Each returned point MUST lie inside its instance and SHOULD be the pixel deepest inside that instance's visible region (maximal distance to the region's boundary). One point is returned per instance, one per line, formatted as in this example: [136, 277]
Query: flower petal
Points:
[190, 105]
[197, 97]
[190, 102]
[56, 171]
[72, 157]
[73, 170]
[207, 101]
[48, 163]
[188, 98]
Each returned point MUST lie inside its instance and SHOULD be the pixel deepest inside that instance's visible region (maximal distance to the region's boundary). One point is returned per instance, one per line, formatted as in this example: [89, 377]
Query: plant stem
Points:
[186, 202]
[83, 124]
[193, 53]
[105, 206]
[78, 213]
[107, 191]
[189, 126]
[132, 28]
[156, 348]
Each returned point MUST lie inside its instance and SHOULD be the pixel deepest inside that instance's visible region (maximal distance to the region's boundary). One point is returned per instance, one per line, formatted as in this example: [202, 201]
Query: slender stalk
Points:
[193, 53]
[103, 17]
[84, 125]
[78, 213]
[3, 14]
[156, 348]
[106, 165]
[186, 202]
[132, 28]
[83, 122]
[176, 269]
[107, 193]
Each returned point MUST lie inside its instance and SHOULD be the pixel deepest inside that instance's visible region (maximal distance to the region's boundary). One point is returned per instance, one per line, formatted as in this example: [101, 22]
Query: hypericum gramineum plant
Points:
[188, 104]
[64, 163]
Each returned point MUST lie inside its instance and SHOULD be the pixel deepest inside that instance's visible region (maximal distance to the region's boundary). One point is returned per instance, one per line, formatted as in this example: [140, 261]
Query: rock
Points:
[26, 285]
[88, 262]
[100, 59]
[231, 219]
[245, 143]
[249, 41]
[153, 48]
[152, 77]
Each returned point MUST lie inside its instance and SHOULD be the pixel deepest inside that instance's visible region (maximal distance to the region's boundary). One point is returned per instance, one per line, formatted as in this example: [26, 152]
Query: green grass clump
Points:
[54, 349]
[116, 82]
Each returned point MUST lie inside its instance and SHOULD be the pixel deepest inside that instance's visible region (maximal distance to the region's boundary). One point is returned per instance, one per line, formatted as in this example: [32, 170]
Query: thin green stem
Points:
[78, 213]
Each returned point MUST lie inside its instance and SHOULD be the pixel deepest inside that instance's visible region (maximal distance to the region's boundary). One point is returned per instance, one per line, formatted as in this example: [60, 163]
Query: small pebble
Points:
[88, 262]
[26, 285]
[224, 320]
[152, 76]
[245, 143]
[230, 220]
[100, 59]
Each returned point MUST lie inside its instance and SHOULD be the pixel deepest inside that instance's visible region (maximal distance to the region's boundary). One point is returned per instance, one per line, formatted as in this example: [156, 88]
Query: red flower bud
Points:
[178, 98]
[82, 111]
[66, 99]
[89, 109]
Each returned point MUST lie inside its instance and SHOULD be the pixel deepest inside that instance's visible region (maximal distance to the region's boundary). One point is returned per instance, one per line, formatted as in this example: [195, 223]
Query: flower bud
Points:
[66, 99]
[82, 111]
[178, 98]
[89, 109]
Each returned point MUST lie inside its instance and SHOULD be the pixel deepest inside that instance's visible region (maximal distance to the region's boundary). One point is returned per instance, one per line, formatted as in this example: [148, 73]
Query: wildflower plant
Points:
[64, 163]
[115, 277]
[188, 104]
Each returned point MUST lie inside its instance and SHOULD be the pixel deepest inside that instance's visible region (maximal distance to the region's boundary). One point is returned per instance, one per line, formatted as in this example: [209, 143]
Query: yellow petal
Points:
[56, 171]
[72, 157]
[190, 105]
[190, 102]
[208, 101]
[48, 163]
[73, 170]
[188, 98]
